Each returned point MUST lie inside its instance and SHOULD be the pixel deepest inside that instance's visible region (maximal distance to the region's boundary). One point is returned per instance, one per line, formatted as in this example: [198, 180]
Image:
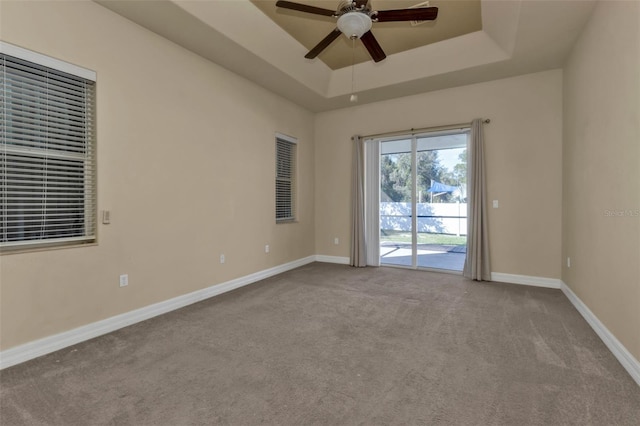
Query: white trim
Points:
[628, 361]
[372, 201]
[526, 280]
[47, 61]
[332, 259]
[286, 138]
[34, 349]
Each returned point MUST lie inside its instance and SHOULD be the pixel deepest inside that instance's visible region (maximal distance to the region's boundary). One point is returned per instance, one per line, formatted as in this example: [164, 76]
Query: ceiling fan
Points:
[355, 18]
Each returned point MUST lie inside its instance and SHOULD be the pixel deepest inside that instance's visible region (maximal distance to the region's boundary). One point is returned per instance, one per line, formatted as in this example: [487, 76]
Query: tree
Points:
[460, 169]
[395, 174]
[389, 176]
[460, 174]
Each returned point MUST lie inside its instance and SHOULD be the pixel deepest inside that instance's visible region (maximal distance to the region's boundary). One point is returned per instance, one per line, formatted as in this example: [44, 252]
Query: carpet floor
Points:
[332, 345]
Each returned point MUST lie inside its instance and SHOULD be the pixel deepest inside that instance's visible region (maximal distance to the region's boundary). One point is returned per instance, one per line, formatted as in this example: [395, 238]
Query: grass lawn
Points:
[423, 238]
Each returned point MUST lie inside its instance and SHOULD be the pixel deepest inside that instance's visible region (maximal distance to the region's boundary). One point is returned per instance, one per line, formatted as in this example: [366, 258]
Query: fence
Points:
[438, 218]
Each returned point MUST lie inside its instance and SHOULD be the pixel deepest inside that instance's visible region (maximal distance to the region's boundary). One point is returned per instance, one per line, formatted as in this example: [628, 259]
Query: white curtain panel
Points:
[477, 265]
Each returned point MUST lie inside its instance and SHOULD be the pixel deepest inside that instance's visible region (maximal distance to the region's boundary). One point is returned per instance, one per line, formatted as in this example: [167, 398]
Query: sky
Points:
[449, 157]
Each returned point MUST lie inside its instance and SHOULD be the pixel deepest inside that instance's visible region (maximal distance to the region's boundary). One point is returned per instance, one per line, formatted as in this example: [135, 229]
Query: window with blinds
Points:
[47, 155]
[285, 179]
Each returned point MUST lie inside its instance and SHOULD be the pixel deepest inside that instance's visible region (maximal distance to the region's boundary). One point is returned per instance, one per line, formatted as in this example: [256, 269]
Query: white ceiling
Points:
[517, 37]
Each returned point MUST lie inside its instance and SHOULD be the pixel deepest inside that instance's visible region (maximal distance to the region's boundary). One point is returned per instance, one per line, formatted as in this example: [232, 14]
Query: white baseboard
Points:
[628, 361]
[332, 259]
[526, 280]
[49, 344]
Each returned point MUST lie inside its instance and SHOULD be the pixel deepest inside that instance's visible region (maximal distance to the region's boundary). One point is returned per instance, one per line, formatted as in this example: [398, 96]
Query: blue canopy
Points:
[441, 187]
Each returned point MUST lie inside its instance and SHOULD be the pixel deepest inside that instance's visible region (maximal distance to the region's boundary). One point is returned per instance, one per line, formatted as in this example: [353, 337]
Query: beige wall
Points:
[185, 164]
[523, 150]
[601, 169]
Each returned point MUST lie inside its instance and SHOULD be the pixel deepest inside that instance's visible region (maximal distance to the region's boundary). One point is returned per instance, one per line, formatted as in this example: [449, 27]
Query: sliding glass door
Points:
[422, 212]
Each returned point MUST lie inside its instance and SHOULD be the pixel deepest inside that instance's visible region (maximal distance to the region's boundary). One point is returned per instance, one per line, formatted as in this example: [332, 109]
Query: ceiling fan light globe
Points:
[354, 24]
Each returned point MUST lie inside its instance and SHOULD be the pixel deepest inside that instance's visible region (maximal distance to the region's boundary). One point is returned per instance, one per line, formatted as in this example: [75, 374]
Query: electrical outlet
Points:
[336, 241]
[124, 280]
[496, 204]
[266, 248]
[222, 259]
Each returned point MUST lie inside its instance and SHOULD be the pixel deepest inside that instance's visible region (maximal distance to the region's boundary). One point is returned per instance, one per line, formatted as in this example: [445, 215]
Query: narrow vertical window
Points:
[47, 151]
[285, 179]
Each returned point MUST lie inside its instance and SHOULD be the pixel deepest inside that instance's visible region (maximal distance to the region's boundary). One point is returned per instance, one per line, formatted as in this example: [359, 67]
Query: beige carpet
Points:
[333, 345]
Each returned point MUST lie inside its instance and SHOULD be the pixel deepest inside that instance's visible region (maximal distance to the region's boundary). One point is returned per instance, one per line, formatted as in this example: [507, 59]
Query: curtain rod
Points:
[413, 131]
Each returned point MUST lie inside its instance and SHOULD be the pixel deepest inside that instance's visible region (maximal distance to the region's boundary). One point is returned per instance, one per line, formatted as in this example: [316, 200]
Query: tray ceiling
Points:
[515, 37]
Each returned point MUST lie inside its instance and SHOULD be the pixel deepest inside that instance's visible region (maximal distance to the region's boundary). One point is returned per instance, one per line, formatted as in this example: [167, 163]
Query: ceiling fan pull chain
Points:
[353, 97]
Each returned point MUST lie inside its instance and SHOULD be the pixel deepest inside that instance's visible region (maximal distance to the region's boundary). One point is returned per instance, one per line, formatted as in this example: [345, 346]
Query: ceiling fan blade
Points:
[373, 46]
[324, 43]
[304, 8]
[418, 14]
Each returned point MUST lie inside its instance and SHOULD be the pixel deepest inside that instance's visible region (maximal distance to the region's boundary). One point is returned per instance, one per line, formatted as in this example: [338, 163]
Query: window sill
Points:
[9, 251]
[282, 222]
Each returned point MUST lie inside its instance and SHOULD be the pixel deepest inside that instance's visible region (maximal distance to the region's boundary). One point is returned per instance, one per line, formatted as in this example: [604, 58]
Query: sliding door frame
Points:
[372, 194]
[372, 200]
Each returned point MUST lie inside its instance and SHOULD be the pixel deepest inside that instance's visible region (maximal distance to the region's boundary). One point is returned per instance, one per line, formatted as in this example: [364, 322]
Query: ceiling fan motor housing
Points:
[354, 24]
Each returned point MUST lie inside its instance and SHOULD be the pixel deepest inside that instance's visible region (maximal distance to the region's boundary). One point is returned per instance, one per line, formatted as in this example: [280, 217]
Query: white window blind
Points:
[47, 156]
[285, 179]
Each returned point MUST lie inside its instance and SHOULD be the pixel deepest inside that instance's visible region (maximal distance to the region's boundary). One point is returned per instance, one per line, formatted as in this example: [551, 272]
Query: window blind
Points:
[285, 180]
[47, 155]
